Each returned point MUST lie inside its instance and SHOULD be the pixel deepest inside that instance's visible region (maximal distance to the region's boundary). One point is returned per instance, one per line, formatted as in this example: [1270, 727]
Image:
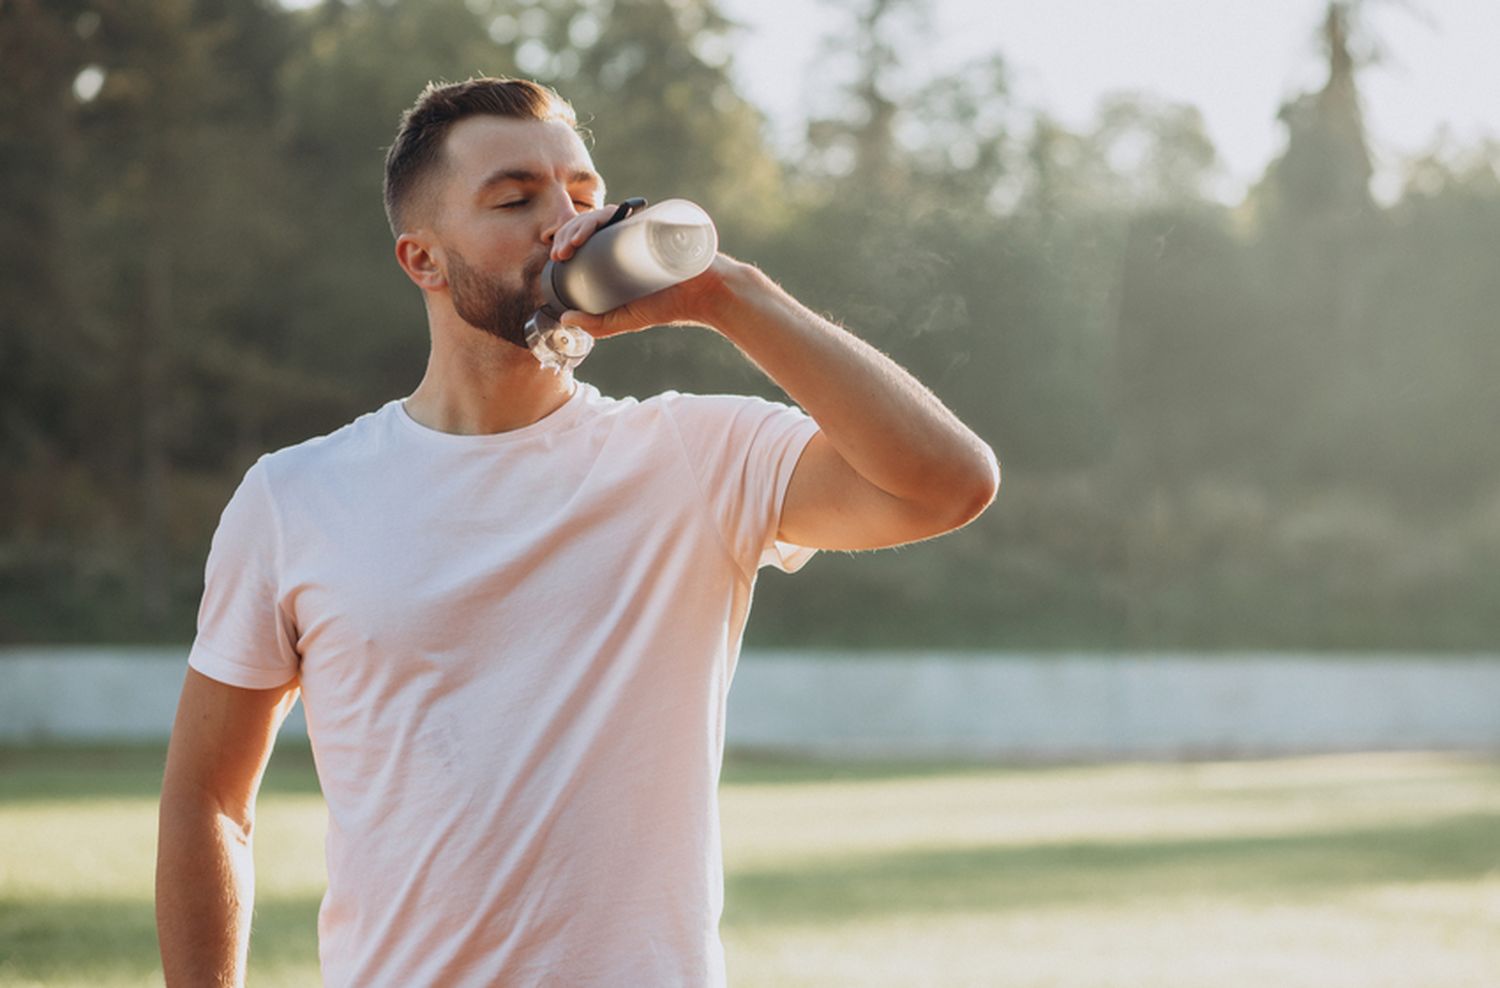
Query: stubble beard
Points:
[491, 306]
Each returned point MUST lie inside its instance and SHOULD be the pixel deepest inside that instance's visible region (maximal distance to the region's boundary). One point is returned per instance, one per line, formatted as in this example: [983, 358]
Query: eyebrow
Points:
[525, 176]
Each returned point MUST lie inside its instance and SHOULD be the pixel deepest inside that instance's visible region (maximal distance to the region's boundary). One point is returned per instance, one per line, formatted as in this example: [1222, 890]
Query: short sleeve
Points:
[245, 637]
[743, 451]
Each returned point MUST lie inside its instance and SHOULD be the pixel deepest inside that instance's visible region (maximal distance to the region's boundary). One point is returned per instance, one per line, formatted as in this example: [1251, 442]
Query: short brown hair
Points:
[418, 147]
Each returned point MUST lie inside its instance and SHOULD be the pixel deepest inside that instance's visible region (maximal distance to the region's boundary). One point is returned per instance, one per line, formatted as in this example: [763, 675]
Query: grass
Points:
[1374, 871]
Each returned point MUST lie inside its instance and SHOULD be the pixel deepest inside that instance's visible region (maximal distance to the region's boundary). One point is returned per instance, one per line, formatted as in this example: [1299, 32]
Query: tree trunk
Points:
[155, 374]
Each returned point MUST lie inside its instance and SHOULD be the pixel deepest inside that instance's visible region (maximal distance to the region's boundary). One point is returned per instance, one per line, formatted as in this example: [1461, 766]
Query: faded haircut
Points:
[417, 152]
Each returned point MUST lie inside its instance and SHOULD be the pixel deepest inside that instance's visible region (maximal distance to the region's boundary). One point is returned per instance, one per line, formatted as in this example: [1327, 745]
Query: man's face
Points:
[506, 187]
[491, 303]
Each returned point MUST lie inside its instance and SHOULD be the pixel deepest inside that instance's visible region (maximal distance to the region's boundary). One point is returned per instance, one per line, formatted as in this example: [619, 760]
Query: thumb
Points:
[581, 320]
[611, 323]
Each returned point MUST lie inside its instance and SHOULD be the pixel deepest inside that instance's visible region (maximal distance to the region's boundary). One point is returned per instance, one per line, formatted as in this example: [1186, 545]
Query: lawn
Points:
[1373, 871]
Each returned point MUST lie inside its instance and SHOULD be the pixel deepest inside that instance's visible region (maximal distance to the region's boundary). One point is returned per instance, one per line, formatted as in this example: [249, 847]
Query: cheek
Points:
[504, 245]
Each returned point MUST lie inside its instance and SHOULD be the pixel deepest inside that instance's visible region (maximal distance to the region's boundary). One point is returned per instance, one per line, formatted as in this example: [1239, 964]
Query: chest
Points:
[513, 563]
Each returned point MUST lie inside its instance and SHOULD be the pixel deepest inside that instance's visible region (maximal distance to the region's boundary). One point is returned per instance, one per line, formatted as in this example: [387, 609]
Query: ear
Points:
[418, 257]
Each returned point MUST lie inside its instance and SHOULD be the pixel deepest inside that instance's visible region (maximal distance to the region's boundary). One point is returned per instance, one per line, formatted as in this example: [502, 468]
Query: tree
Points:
[1317, 226]
[1324, 174]
[148, 128]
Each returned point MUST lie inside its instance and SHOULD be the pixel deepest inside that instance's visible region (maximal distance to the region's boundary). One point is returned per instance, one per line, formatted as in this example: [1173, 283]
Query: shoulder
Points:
[726, 426]
[350, 444]
[711, 407]
[676, 407]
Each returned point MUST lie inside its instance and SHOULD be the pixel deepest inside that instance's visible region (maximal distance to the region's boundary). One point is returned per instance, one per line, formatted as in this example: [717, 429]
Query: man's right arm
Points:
[205, 874]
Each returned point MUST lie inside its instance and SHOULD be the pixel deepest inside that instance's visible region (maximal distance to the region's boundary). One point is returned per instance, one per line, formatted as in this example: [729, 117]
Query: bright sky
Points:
[1236, 60]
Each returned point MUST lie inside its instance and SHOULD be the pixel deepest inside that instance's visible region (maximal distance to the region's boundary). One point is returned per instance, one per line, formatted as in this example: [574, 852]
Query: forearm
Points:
[205, 889]
[883, 422]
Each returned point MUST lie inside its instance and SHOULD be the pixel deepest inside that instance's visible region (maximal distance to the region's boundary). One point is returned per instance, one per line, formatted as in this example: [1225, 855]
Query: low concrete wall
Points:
[1115, 706]
[84, 694]
[1028, 706]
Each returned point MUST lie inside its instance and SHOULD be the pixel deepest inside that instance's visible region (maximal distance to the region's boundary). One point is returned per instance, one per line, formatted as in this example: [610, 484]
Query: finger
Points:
[571, 235]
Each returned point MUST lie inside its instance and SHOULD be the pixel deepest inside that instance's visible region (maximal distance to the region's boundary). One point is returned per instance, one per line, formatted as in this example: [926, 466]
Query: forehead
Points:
[479, 146]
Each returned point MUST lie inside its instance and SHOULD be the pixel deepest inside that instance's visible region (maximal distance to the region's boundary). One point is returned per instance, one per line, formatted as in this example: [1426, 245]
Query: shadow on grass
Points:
[92, 940]
[128, 771]
[773, 768]
[1002, 879]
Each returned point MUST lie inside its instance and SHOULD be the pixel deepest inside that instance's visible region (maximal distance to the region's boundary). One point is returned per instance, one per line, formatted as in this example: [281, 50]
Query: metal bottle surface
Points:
[653, 248]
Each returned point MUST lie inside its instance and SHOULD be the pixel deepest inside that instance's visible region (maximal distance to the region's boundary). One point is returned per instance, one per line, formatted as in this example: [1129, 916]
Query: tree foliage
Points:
[1264, 425]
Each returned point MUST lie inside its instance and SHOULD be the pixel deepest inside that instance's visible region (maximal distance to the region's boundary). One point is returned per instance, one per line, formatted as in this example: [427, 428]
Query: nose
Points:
[561, 210]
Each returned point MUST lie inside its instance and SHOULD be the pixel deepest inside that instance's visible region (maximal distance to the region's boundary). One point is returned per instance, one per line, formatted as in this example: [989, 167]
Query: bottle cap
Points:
[556, 347]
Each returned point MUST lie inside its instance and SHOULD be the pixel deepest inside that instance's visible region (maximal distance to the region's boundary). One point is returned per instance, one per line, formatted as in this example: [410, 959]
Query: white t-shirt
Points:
[514, 653]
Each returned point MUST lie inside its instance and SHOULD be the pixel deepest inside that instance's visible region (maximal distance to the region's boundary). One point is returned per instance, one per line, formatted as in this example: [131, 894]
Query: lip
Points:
[533, 274]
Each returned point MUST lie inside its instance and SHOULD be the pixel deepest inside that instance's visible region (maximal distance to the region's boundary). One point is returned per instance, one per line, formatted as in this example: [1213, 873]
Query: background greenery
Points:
[1266, 425]
[1375, 871]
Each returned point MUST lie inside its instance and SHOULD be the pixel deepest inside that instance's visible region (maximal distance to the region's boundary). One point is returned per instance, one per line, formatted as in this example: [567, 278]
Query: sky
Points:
[1236, 60]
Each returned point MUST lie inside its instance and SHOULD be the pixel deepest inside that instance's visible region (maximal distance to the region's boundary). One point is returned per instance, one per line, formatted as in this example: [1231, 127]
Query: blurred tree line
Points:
[1258, 426]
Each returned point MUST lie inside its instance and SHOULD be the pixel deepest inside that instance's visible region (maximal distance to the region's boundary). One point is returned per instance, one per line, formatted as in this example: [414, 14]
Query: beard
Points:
[493, 307]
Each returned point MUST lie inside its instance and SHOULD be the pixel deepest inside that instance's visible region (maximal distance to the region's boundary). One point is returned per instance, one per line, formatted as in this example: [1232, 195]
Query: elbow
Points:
[974, 489]
[986, 484]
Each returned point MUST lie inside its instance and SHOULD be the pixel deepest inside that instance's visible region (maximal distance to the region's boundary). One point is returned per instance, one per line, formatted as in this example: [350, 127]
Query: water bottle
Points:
[640, 250]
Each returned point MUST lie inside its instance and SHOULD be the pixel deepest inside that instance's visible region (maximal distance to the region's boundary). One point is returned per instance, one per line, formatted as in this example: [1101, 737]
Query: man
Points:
[512, 606]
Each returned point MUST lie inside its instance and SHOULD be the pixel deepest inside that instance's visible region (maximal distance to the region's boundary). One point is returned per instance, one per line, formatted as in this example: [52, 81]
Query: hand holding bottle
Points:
[602, 261]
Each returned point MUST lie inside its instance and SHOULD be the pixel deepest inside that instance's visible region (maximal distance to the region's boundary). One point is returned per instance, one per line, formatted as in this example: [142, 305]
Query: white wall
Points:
[1115, 706]
[1033, 706]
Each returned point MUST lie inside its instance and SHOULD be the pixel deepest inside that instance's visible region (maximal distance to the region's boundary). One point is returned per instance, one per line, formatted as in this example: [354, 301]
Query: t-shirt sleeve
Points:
[245, 635]
[743, 451]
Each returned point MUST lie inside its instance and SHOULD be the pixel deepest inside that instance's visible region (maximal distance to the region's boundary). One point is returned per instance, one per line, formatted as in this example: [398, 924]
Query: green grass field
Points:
[1372, 871]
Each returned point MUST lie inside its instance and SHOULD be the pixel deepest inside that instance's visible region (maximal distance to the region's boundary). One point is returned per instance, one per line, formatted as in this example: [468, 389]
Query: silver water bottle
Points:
[640, 250]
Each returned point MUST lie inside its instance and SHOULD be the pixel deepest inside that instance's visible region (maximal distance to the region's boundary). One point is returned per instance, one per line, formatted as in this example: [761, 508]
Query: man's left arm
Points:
[890, 463]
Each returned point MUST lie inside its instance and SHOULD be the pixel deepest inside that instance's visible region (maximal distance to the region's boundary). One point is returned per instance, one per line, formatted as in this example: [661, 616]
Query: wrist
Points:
[742, 289]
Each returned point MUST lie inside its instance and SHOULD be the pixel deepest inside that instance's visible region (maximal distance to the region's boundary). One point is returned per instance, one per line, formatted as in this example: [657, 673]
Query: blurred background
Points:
[1216, 281]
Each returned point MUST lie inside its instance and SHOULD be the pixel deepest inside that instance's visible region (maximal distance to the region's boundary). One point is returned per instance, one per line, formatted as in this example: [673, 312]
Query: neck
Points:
[478, 385]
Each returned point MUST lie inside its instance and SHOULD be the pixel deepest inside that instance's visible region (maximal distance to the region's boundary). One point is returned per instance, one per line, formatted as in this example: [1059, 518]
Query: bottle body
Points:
[654, 248]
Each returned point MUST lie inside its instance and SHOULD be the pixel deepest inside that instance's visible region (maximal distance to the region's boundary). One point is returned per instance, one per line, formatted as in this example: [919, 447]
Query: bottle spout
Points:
[555, 346]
